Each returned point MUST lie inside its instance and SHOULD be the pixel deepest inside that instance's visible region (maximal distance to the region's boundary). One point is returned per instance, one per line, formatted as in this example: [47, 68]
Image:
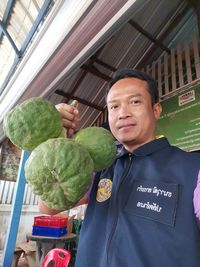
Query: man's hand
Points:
[43, 208]
[70, 117]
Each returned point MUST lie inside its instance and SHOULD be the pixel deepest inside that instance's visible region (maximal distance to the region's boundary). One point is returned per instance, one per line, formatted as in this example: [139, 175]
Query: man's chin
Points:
[127, 140]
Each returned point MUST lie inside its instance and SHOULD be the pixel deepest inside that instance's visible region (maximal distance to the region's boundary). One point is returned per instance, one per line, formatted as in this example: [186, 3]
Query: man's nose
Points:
[124, 111]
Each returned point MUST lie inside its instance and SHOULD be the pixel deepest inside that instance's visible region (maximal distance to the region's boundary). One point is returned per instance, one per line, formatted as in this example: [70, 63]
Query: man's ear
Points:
[157, 109]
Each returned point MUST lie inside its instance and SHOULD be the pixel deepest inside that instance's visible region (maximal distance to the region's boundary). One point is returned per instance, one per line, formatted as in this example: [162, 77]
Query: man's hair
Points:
[152, 84]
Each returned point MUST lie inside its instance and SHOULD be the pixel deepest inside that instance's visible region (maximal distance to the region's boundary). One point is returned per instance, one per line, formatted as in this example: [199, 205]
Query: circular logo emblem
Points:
[104, 190]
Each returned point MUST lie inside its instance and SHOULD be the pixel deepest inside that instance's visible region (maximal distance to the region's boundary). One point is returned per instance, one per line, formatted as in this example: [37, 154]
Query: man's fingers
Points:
[69, 115]
[65, 109]
[70, 132]
[68, 124]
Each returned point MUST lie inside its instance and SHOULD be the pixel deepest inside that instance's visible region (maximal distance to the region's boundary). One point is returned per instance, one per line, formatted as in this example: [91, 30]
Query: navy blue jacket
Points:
[141, 211]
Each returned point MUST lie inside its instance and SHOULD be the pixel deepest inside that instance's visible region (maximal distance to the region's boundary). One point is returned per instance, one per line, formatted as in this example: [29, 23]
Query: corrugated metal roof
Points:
[127, 47]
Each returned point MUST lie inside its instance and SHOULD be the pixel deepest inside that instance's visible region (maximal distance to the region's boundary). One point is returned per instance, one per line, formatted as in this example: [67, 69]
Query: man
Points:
[146, 218]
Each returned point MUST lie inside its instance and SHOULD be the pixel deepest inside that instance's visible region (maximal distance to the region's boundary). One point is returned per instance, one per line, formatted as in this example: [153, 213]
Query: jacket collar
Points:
[147, 148]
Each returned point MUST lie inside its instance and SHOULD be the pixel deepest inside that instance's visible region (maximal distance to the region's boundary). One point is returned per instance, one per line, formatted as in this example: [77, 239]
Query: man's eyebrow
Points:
[138, 94]
[129, 97]
[112, 101]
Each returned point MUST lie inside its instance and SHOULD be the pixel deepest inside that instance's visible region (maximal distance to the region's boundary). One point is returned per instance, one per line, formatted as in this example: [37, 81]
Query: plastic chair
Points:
[59, 256]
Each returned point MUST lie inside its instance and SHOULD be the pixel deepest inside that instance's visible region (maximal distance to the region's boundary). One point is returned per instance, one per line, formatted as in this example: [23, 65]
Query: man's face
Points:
[131, 116]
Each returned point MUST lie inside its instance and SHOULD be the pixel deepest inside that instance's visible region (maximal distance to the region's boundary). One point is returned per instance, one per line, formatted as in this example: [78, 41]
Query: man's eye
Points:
[113, 107]
[135, 101]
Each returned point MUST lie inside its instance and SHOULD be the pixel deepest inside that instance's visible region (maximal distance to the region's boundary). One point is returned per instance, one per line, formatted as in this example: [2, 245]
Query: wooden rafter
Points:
[149, 36]
[170, 28]
[75, 86]
[105, 65]
[93, 70]
[80, 100]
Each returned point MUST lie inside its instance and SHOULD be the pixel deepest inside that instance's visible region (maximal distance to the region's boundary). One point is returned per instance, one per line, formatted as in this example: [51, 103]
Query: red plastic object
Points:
[50, 221]
[59, 256]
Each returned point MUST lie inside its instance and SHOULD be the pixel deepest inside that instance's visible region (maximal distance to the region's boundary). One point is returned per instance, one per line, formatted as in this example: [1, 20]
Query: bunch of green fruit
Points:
[59, 169]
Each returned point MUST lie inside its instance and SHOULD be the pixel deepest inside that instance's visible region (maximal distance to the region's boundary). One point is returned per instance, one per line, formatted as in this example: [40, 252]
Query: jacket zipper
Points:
[116, 218]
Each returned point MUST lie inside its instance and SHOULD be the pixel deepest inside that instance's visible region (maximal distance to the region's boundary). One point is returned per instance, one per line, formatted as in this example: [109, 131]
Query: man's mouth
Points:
[126, 126]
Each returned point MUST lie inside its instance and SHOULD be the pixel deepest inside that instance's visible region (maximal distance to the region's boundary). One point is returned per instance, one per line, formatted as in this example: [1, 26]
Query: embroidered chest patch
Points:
[154, 200]
[104, 190]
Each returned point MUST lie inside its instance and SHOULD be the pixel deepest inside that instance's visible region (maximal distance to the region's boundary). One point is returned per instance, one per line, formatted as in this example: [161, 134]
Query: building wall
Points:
[25, 226]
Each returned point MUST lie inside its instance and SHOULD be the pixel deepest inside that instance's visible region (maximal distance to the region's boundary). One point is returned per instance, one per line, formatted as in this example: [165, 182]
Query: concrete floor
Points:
[21, 263]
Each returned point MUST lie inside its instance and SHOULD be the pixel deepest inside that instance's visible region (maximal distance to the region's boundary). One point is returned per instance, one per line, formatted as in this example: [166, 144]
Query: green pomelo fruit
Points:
[32, 122]
[100, 144]
[60, 172]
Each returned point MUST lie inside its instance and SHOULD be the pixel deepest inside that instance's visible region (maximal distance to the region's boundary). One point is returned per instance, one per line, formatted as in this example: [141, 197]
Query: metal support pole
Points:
[17, 203]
